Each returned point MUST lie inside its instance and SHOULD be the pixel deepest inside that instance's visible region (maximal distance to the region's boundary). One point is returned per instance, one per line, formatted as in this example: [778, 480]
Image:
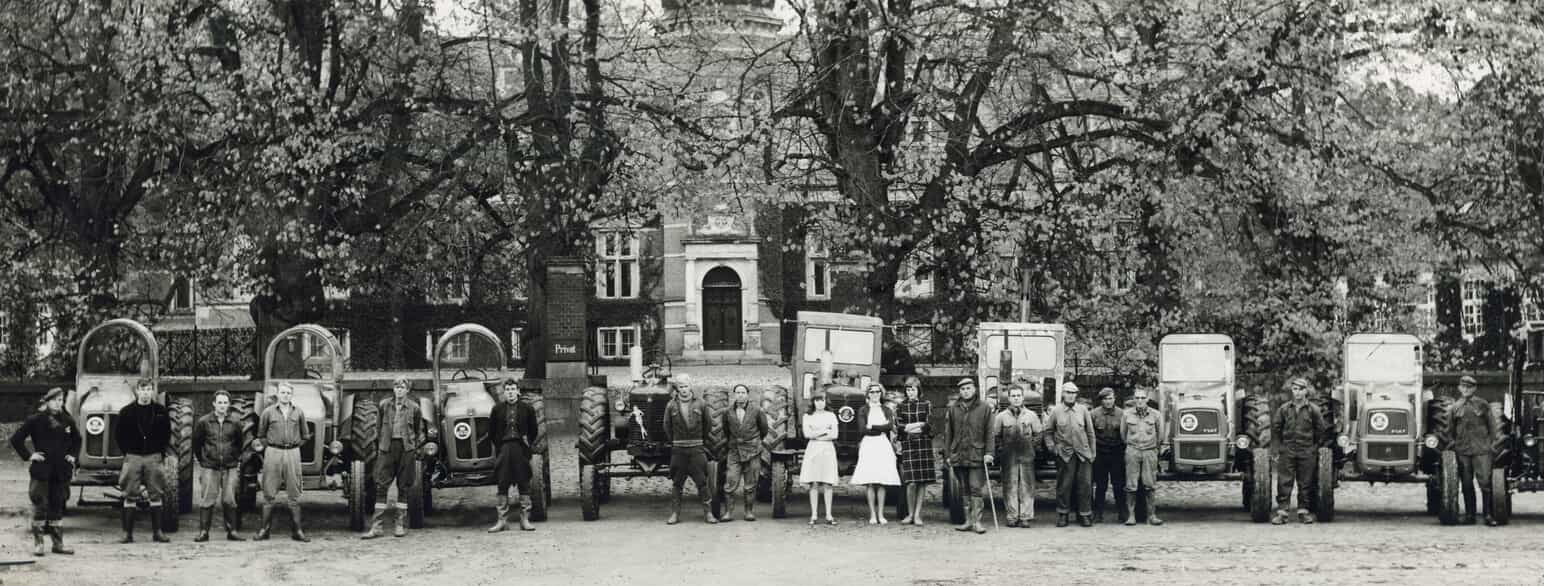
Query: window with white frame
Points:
[616, 342]
[616, 269]
[5, 332]
[911, 283]
[817, 270]
[514, 343]
[1473, 294]
[182, 294]
[1531, 310]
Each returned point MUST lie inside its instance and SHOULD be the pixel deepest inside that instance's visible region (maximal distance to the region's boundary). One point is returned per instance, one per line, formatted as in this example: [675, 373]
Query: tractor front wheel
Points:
[360, 494]
[1500, 497]
[415, 495]
[181, 413]
[953, 500]
[1260, 477]
[1447, 512]
[780, 489]
[589, 492]
[1325, 487]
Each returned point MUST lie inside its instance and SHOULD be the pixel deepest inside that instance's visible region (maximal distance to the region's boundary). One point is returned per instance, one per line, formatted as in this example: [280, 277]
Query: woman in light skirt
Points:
[819, 467]
[876, 453]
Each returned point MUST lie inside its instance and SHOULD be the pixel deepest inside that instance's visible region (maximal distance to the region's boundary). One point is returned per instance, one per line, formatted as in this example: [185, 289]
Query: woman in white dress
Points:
[876, 453]
[819, 467]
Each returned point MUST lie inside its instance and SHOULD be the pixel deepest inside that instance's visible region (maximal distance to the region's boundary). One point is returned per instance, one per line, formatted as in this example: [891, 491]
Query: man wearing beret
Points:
[51, 460]
[967, 434]
[1069, 433]
[1475, 429]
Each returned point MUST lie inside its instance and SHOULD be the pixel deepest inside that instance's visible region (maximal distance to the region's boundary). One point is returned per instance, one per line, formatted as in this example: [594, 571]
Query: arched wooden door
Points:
[721, 325]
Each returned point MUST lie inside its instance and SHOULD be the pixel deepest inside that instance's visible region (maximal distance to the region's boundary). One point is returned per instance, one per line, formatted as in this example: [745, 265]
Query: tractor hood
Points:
[1195, 394]
[104, 394]
[315, 398]
[468, 399]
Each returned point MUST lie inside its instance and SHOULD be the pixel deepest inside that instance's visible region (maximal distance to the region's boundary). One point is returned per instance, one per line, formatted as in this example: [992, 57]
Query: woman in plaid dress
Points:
[916, 458]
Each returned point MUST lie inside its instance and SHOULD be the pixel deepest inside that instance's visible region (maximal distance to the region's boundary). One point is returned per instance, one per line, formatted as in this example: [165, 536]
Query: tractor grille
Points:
[654, 407]
[1200, 451]
[479, 445]
[849, 432]
[1388, 452]
[1393, 422]
[1199, 422]
[94, 443]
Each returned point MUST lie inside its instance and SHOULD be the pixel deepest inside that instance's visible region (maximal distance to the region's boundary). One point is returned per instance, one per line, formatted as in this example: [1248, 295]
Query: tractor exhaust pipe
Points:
[635, 364]
[826, 367]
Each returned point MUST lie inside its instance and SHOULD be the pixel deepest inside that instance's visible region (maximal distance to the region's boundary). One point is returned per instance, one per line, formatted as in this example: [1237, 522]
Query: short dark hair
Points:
[739, 386]
[819, 395]
[511, 381]
[219, 392]
[144, 382]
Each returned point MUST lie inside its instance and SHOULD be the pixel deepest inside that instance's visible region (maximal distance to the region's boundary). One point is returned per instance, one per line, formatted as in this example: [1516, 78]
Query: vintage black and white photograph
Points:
[846, 292]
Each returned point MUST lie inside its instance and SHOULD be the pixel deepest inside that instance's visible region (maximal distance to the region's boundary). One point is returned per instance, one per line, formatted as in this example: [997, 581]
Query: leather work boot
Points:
[155, 526]
[53, 530]
[750, 503]
[37, 538]
[232, 519]
[525, 514]
[1061, 519]
[728, 515]
[707, 513]
[295, 532]
[205, 517]
[503, 510]
[401, 529]
[128, 513]
[262, 532]
[675, 507]
[1152, 510]
[1131, 512]
[1304, 517]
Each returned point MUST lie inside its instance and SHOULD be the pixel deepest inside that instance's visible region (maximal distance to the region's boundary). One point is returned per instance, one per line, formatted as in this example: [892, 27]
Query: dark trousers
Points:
[1472, 469]
[972, 480]
[689, 461]
[1074, 480]
[48, 498]
[1109, 472]
[393, 464]
[1295, 467]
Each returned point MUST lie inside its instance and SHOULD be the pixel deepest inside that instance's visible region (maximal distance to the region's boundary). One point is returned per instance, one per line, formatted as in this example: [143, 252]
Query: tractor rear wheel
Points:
[953, 500]
[780, 489]
[415, 495]
[360, 493]
[594, 423]
[1447, 511]
[1257, 419]
[718, 402]
[589, 492]
[774, 403]
[250, 460]
[169, 469]
[1260, 476]
[182, 442]
[1440, 421]
[1500, 497]
[539, 492]
[1325, 487]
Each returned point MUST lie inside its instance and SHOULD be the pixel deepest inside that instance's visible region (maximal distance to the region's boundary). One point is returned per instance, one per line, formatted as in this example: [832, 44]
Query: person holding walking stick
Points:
[966, 439]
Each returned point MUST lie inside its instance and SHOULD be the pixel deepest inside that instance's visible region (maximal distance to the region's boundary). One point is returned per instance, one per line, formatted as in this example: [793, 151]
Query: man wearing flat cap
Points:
[1110, 455]
[1069, 433]
[967, 433]
[1299, 429]
[50, 461]
[1475, 429]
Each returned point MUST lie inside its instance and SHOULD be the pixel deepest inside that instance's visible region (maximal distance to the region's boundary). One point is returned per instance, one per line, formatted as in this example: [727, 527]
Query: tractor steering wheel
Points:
[465, 374]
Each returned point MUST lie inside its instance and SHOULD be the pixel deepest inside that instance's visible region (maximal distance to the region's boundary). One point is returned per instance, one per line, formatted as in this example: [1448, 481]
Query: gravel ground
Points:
[1381, 536]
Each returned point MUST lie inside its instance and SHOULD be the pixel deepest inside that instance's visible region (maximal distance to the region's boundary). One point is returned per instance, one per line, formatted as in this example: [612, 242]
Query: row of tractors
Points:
[1387, 427]
[468, 373]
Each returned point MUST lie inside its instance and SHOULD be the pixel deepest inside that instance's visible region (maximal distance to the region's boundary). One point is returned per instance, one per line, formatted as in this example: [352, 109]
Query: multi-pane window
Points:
[616, 342]
[817, 270]
[1473, 293]
[616, 275]
[182, 294]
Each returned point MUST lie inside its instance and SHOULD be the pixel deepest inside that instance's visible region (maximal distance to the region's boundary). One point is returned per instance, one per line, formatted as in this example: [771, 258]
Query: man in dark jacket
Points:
[744, 428]
[1299, 428]
[1069, 433]
[688, 425]
[514, 431]
[1475, 430]
[966, 437]
[51, 460]
[1109, 455]
[400, 430]
[143, 431]
[217, 448]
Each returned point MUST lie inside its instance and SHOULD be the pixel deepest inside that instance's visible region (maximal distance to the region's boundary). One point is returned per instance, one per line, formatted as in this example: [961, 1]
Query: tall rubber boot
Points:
[205, 518]
[1130, 511]
[675, 506]
[128, 513]
[1121, 496]
[503, 508]
[155, 526]
[975, 515]
[1485, 501]
[232, 519]
[262, 532]
[295, 532]
[750, 505]
[970, 504]
[1152, 508]
[728, 515]
[401, 529]
[525, 513]
[53, 530]
[377, 519]
[707, 511]
[37, 538]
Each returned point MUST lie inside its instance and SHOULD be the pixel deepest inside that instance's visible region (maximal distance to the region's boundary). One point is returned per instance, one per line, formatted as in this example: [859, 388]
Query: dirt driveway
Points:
[1381, 536]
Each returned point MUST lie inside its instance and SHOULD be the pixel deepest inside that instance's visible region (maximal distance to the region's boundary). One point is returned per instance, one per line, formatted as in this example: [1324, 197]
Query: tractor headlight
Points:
[95, 425]
[621, 405]
[335, 447]
[1343, 441]
[1529, 441]
[1430, 442]
[1242, 442]
[431, 448]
